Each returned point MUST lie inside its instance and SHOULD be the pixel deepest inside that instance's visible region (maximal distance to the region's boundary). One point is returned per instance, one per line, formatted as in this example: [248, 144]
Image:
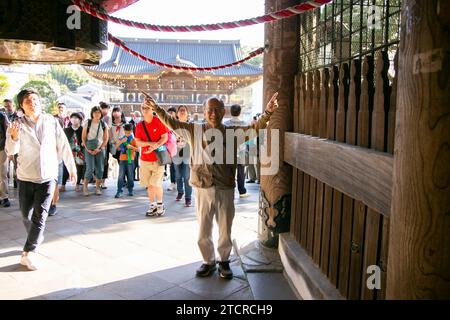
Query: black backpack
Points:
[89, 125]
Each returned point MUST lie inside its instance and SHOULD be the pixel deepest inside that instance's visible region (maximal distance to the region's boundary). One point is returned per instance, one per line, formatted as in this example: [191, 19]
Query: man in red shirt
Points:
[151, 173]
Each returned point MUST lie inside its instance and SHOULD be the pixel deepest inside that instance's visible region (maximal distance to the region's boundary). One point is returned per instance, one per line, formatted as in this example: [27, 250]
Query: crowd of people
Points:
[48, 150]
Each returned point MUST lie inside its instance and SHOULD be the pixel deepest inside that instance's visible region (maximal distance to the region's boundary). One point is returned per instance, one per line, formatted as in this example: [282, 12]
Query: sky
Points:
[183, 12]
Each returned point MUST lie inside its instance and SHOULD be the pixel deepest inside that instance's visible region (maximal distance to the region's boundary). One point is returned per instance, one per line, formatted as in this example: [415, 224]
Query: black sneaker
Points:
[225, 270]
[5, 203]
[205, 270]
[52, 211]
[179, 196]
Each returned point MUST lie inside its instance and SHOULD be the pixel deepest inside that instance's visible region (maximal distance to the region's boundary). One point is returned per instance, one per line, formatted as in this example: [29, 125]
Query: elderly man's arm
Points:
[183, 129]
[262, 122]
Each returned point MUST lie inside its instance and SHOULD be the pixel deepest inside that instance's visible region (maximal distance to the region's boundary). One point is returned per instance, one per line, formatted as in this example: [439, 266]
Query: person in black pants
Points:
[38, 171]
[173, 179]
[235, 111]
[4, 123]
[73, 134]
[108, 121]
[135, 119]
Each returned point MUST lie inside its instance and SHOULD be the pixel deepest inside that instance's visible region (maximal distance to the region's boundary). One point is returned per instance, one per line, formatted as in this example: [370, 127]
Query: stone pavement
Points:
[98, 247]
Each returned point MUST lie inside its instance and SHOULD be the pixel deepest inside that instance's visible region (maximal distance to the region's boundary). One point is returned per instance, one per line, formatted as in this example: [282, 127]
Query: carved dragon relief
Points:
[276, 217]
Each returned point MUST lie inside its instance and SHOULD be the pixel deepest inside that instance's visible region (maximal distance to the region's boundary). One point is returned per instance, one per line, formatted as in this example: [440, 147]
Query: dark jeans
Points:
[106, 164]
[241, 179]
[80, 174]
[136, 165]
[173, 178]
[34, 202]
[182, 173]
[125, 169]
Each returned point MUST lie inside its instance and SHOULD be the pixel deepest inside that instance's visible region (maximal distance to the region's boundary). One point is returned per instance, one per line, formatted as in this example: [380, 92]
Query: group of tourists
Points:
[49, 150]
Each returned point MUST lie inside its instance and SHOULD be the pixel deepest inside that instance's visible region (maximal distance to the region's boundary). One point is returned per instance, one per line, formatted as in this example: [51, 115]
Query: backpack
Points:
[89, 125]
[171, 143]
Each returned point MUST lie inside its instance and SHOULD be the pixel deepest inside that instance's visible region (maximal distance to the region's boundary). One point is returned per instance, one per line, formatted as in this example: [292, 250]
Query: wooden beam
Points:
[360, 173]
[419, 238]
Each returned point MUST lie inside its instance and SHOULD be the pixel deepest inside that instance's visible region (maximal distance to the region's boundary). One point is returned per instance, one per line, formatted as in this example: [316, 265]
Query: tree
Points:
[4, 85]
[48, 95]
[53, 108]
[68, 77]
[256, 61]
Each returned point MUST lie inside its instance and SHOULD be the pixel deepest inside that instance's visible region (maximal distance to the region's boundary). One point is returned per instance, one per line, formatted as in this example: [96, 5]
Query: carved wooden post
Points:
[419, 240]
[280, 68]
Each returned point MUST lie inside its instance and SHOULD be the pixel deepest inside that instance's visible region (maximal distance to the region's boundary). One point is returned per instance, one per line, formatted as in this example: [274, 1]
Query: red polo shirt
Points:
[155, 129]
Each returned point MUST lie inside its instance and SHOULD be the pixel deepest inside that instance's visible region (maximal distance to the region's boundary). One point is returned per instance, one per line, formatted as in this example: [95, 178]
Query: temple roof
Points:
[192, 53]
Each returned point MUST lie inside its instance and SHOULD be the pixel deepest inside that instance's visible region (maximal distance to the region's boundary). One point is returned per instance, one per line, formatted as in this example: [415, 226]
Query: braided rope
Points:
[122, 45]
[89, 8]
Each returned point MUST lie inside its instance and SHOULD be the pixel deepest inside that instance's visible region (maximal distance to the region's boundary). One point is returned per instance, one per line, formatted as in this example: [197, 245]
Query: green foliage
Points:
[53, 108]
[4, 85]
[67, 76]
[256, 61]
[64, 89]
[48, 95]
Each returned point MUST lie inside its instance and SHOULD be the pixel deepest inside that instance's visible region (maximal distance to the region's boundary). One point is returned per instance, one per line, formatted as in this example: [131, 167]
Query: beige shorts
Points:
[151, 174]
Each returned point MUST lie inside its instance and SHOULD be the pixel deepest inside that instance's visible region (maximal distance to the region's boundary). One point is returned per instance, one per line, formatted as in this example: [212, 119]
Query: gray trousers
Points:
[218, 203]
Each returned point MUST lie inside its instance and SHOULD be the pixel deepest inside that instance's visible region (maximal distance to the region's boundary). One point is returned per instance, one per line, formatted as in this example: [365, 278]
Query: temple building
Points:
[170, 87]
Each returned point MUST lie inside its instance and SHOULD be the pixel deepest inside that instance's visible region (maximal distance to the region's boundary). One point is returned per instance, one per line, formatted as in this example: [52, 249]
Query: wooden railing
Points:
[342, 153]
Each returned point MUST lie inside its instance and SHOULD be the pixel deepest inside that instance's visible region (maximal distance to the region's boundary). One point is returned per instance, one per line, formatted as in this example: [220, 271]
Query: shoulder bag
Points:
[161, 153]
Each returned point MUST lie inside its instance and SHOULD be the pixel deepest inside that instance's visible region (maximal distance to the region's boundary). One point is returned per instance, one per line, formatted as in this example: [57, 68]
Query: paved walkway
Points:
[98, 247]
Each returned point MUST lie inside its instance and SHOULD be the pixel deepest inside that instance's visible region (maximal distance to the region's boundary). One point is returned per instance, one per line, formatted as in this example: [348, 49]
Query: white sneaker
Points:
[244, 195]
[151, 210]
[171, 187]
[29, 261]
[160, 209]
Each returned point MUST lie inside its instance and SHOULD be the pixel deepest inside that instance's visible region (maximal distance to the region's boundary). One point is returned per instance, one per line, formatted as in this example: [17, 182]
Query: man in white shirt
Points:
[235, 111]
[40, 141]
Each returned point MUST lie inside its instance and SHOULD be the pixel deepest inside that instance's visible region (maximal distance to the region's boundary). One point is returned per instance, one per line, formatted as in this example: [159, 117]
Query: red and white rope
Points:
[122, 45]
[89, 8]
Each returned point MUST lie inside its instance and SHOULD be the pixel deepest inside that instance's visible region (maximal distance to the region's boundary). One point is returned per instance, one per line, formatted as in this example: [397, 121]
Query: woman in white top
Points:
[116, 132]
[95, 138]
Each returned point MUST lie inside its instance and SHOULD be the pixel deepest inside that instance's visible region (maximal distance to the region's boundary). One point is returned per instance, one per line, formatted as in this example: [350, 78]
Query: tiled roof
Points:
[201, 53]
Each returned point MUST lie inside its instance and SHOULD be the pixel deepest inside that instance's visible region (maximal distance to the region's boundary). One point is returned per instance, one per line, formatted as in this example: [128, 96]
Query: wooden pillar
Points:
[280, 68]
[419, 240]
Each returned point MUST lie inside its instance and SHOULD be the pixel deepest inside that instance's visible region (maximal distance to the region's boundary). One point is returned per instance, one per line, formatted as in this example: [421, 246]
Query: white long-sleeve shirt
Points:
[41, 146]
